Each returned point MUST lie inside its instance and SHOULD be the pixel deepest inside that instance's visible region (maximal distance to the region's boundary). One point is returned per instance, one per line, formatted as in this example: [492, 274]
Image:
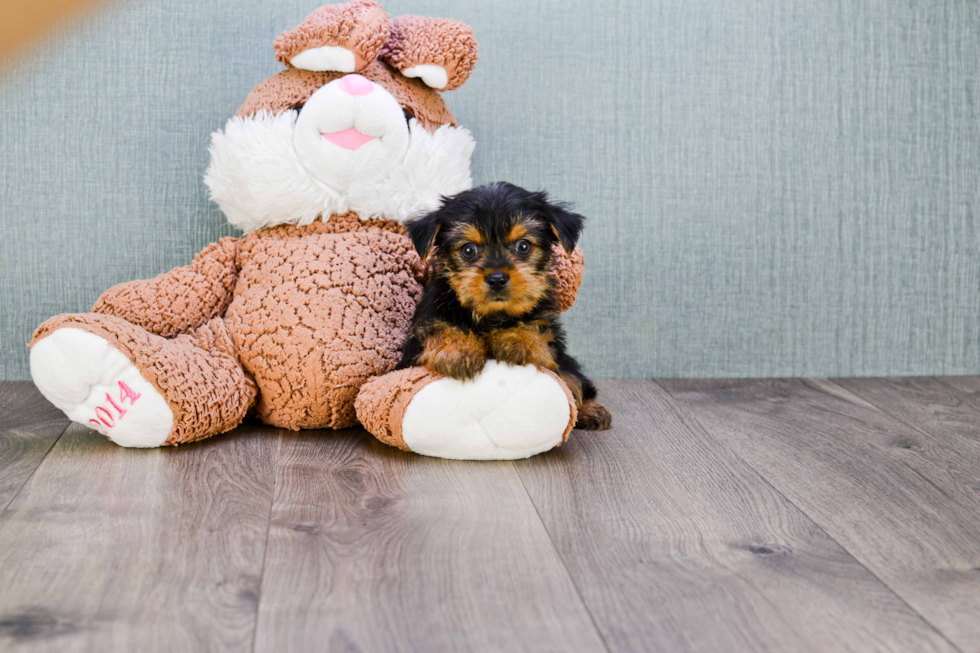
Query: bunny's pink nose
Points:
[356, 84]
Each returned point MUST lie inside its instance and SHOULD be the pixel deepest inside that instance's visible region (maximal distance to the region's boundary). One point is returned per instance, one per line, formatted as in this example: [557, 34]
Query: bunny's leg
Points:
[137, 388]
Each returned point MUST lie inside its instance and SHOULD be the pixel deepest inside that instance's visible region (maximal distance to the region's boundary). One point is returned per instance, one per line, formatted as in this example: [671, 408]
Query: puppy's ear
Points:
[567, 226]
[423, 232]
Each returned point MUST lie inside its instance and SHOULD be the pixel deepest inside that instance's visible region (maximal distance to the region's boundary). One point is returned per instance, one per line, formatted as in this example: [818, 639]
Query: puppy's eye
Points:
[469, 251]
[523, 247]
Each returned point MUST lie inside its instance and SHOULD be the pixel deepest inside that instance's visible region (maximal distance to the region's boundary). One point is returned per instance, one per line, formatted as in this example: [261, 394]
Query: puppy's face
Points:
[494, 243]
[498, 262]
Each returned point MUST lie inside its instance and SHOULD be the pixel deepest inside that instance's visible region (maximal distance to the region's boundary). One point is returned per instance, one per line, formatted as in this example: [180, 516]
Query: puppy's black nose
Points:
[497, 280]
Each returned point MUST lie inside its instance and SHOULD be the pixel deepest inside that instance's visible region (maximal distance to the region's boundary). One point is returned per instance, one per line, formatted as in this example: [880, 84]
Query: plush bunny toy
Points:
[300, 321]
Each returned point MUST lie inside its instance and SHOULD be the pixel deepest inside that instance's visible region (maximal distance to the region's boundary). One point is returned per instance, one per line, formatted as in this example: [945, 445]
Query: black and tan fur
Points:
[490, 294]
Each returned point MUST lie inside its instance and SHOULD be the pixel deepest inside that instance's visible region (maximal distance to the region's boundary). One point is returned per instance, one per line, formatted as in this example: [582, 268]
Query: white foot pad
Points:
[507, 412]
[94, 384]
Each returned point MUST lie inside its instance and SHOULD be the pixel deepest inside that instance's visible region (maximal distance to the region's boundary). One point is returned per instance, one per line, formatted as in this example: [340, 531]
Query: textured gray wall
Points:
[775, 187]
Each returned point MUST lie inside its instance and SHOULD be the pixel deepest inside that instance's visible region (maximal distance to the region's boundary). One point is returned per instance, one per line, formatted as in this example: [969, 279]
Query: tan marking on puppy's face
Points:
[525, 288]
[471, 234]
[475, 254]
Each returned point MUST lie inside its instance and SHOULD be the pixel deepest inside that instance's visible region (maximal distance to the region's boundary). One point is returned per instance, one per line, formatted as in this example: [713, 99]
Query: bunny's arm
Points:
[179, 300]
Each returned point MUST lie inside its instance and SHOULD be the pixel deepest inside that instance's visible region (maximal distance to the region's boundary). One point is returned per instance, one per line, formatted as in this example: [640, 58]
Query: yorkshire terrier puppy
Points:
[489, 293]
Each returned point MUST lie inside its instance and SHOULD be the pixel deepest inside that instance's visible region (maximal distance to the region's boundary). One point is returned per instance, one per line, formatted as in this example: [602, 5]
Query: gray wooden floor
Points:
[786, 515]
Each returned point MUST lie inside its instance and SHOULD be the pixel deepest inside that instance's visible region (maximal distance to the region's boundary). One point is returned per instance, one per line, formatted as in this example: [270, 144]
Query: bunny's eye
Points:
[469, 251]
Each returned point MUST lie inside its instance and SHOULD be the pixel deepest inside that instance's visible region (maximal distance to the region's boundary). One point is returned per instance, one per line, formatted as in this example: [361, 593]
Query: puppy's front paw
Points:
[455, 353]
[457, 365]
[525, 344]
[593, 416]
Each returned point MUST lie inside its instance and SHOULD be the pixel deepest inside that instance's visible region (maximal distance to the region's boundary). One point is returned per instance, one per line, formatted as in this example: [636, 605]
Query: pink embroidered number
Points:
[105, 415]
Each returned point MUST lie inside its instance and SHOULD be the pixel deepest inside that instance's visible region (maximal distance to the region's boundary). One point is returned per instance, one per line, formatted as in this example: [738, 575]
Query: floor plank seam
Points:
[268, 530]
[929, 434]
[816, 523]
[941, 380]
[564, 565]
[34, 471]
[904, 421]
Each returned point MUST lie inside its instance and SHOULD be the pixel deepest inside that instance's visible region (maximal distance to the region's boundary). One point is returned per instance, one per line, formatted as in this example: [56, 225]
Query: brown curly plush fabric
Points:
[312, 313]
[416, 40]
[361, 26]
[291, 89]
[382, 401]
[197, 372]
[319, 310]
[179, 300]
[567, 274]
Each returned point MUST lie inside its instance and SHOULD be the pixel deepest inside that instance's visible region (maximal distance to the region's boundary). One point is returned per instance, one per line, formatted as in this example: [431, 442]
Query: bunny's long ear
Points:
[423, 232]
[441, 51]
[342, 38]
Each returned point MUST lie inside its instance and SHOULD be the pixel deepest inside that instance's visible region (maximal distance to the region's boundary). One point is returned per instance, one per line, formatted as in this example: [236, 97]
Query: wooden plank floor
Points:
[751, 515]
